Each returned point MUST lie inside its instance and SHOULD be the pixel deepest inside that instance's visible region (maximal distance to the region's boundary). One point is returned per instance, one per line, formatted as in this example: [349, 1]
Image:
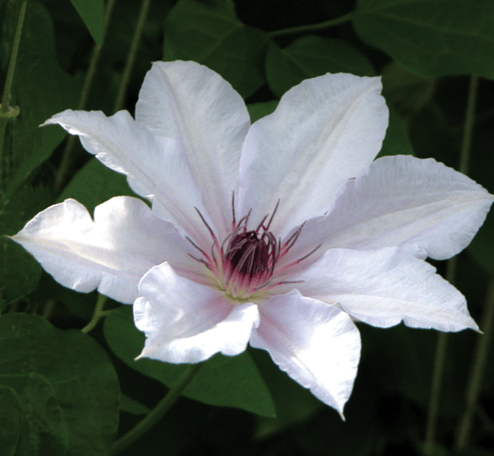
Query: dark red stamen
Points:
[293, 238]
[252, 254]
[245, 261]
[272, 215]
[196, 246]
[309, 254]
[206, 223]
[234, 223]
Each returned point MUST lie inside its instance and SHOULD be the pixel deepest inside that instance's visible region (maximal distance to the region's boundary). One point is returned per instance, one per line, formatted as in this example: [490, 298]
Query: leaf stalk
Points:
[312, 27]
[97, 314]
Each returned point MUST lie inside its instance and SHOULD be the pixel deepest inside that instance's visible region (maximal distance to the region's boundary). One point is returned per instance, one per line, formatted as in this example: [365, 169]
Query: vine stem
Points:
[440, 356]
[4, 108]
[97, 314]
[437, 376]
[141, 21]
[469, 123]
[157, 413]
[6, 111]
[477, 372]
[312, 27]
[67, 152]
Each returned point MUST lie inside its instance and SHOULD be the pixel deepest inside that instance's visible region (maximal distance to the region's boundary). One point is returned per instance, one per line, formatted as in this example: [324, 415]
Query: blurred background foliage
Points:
[67, 392]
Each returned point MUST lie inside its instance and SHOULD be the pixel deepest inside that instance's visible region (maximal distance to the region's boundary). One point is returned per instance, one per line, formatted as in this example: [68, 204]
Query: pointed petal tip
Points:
[141, 355]
[147, 352]
[54, 118]
[475, 327]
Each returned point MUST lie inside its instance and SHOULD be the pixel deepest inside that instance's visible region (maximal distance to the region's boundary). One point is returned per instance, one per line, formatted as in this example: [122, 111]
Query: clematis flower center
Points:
[250, 254]
[243, 266]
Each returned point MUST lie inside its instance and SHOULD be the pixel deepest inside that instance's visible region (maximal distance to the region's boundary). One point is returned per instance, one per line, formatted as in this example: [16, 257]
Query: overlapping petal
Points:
[186, 322]
[421, 205]
[384, 287]
[111, 253]
[197, 108]
[323, 132]
[366, 226]
[316, 344]
[156, 167]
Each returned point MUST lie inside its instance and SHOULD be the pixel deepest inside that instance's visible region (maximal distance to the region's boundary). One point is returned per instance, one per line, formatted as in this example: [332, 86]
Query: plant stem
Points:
[437, 376]
[478, 368]
[469, 124]
[6, 112]
[442, 338]
[67, 153]
[97, 314]
[312, 27]
[132, 55]
[4, 108]
[158, 412]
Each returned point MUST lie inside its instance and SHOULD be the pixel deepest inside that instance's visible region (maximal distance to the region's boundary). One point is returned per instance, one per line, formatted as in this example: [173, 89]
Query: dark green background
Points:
[67, 393]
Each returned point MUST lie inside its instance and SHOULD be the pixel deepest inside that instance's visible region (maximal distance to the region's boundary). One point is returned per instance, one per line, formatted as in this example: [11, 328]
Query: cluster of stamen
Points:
[243, 265]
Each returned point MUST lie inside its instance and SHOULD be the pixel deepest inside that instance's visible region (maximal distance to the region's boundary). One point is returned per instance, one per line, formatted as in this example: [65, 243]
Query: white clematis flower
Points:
[279, 234]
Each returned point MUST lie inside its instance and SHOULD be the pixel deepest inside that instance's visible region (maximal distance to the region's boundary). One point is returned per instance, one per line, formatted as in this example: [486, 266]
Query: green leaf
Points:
[258, 110]
[42, 425]
[9, 421]
[407, 92]
[431, 37]
[69, 381]
[223, 381]
[19, 271]
[127, 404]
[92, 13]
[94, 183]
[40, 89]
[396, 141]
[210, 33]
[312, 56]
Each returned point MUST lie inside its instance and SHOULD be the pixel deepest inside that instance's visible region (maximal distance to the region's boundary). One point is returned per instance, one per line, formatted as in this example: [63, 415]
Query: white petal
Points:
[384, 287]
[422, 205]
[198, 108]
[185, 322]
[316, 344]
[110, 254]
[323, 132]
[156, 167]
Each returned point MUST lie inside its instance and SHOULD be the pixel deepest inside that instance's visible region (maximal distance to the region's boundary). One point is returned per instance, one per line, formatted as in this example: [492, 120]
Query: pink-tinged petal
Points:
[384, 287]
[421, 205]
[315, 344]
[156, 167]
[185, 322]
[323, 132]
[196, 107]
[111, 253]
